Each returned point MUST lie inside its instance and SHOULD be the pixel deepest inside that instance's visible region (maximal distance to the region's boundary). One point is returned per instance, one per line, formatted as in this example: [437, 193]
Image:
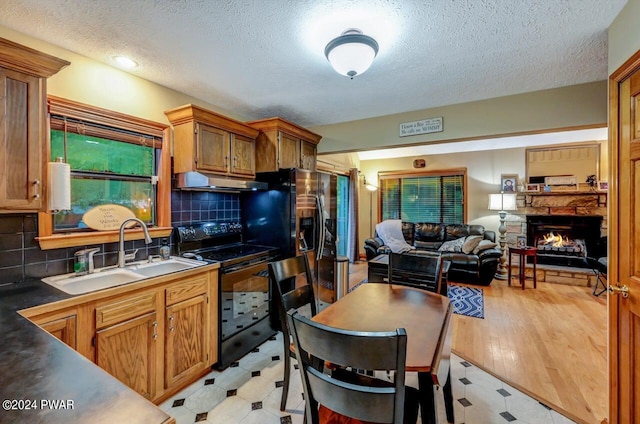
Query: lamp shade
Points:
[502, 202]
[351, 53]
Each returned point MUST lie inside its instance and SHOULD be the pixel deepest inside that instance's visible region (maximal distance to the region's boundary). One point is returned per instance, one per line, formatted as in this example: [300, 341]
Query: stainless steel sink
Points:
[105, 278]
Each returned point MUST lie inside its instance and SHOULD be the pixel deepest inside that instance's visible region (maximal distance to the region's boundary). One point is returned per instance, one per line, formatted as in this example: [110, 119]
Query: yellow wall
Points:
[578, 105]
[624, 35]
[97, 84]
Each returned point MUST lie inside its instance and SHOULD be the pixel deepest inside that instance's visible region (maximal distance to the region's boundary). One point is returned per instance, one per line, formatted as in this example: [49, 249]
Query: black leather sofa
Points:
[470, 268]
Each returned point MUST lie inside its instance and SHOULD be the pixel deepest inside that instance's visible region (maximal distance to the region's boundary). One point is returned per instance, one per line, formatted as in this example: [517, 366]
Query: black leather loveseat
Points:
[476, 267]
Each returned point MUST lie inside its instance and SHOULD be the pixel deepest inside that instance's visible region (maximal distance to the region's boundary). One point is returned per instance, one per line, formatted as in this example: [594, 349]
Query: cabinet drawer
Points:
[187, 289]
[122, 310]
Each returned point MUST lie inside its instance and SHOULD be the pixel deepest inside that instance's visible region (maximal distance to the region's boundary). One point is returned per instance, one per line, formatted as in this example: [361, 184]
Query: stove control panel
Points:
[204, 230]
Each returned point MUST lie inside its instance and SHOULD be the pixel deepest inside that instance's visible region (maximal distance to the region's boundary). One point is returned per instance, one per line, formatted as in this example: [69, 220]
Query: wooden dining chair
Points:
[292, 280]
[337, 394]
[422, 271]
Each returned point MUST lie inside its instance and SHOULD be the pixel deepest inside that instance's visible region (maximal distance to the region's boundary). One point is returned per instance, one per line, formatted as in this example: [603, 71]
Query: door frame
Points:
[619, 75]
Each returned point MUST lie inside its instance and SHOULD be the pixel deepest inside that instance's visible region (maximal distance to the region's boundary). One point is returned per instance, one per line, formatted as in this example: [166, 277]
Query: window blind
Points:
[427, 198]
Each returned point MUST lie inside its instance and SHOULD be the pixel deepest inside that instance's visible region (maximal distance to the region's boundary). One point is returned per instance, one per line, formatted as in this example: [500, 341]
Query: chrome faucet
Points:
[122, 257]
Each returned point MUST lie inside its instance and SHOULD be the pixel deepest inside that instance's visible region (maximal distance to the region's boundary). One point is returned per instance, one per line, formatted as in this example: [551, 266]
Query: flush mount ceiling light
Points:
[351, 53]
[125, 62]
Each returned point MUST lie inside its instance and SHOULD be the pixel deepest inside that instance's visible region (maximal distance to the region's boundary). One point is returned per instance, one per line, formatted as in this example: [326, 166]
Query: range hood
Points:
[208, 182]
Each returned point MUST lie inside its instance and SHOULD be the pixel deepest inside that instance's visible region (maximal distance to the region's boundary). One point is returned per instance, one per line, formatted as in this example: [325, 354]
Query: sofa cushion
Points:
[407, 231]
[462, 262]
[452, 246]
[455, 231]
[470, 243]
[428, 232]
[484, 245]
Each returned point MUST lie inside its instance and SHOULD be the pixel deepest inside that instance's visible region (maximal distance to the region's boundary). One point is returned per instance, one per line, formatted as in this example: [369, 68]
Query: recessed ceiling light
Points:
[125, 62]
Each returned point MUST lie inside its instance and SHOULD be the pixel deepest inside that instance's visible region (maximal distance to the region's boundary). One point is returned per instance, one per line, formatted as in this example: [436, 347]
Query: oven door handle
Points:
[320, 212]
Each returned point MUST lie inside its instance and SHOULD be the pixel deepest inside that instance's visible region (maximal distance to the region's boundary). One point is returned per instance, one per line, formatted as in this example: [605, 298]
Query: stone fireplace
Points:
[579, 217]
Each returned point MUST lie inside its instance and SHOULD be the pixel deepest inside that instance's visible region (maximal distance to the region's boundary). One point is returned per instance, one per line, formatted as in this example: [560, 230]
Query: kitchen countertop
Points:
[37, 367]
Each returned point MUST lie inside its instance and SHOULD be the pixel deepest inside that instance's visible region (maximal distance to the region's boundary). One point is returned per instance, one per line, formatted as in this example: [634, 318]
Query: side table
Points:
[523, 253]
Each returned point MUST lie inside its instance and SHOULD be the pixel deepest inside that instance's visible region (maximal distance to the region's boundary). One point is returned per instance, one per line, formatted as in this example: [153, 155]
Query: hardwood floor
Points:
[549, 342]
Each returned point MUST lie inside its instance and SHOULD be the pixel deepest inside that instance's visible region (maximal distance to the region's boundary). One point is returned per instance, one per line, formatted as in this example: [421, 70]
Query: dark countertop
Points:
[35, 366]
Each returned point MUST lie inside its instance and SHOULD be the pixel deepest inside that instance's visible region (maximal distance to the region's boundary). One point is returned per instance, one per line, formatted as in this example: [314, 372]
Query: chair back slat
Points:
[417, 270]
[373, 404]
[361, 397]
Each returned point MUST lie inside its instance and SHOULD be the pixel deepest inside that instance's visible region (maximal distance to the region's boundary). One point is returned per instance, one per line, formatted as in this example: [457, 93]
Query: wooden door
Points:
[243, 155]
[127, 351]
[22, 141]
[288, 151]
[307, 155]
[64, 329]
[187, 328]
[212, 145]
[624, 243]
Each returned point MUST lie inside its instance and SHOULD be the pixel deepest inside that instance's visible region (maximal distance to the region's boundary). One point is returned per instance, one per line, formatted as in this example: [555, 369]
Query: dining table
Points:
[425, 316]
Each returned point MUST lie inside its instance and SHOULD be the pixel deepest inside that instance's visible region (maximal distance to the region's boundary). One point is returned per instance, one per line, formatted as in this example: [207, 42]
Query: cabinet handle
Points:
[36, 189]
[155, 330]
[171, 323]
[226, 162]
[235, 162]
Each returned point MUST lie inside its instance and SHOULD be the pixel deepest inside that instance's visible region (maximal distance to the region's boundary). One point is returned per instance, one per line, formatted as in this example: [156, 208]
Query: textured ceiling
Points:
[262, 58]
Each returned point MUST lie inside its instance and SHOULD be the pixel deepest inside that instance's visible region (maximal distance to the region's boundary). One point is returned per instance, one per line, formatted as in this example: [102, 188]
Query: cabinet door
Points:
[187, 328]
[288, 151]
[63, 329]
[22, 141]
[307, 155]
[243, 154]
[128, 352]
[212, 145]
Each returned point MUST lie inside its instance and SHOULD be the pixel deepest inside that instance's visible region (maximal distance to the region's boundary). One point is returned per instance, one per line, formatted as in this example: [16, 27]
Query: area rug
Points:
[468, 301]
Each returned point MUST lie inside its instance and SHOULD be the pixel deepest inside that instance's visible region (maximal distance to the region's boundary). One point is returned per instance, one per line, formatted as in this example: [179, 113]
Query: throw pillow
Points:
[453, 246]
[471, 243]
[484, 245]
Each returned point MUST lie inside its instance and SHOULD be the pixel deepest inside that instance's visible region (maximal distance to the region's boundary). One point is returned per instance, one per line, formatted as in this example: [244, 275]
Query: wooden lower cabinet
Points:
[186, 340]
[155, 339]
[128, 352]
[64, 328]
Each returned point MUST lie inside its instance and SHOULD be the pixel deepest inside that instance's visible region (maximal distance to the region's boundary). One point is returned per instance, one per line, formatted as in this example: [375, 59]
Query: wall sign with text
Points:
[424, 126]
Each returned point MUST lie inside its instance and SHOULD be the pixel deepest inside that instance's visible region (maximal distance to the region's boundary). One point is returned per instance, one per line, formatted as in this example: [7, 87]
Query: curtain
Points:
[353, 246]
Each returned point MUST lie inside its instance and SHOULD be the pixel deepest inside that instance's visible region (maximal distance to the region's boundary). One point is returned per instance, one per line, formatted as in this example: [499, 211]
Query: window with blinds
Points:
[108, 165]
[425, 197]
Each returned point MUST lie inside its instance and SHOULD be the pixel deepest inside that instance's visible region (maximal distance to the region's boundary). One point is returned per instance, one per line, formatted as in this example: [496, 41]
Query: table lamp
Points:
[502, 202]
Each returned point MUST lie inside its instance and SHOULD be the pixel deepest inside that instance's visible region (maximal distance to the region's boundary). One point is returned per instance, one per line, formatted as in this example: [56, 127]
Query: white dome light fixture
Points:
[351, 53]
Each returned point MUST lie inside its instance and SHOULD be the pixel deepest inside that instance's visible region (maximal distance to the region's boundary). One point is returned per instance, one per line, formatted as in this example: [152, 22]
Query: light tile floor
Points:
[249, 392]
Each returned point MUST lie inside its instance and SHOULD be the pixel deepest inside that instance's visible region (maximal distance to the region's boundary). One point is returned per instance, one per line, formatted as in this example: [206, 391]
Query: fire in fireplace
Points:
[563, 239]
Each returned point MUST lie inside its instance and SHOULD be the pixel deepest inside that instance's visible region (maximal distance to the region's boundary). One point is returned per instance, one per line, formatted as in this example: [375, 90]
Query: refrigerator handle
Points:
[320, 212]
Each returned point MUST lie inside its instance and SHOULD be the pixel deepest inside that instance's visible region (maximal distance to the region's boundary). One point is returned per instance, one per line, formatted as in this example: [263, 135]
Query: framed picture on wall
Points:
[509, 183]
[532, 187]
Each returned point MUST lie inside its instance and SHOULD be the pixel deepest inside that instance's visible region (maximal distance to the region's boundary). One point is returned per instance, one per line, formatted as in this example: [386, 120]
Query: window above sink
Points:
[107, 135]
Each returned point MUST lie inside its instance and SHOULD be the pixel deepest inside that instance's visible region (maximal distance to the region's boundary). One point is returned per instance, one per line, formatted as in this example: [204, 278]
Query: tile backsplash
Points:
[21, 256]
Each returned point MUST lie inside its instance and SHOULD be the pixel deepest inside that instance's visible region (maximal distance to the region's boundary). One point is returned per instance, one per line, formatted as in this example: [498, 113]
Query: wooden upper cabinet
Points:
[208, 142]
[213, 149]
[308, 155]
[23, 73]
[282, 144]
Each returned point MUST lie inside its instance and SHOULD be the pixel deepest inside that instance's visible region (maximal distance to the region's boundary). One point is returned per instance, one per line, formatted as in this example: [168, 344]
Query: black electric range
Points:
[244, 291]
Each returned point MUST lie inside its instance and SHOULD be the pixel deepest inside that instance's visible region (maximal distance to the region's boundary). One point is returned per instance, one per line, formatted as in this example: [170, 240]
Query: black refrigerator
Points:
[297, 214]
